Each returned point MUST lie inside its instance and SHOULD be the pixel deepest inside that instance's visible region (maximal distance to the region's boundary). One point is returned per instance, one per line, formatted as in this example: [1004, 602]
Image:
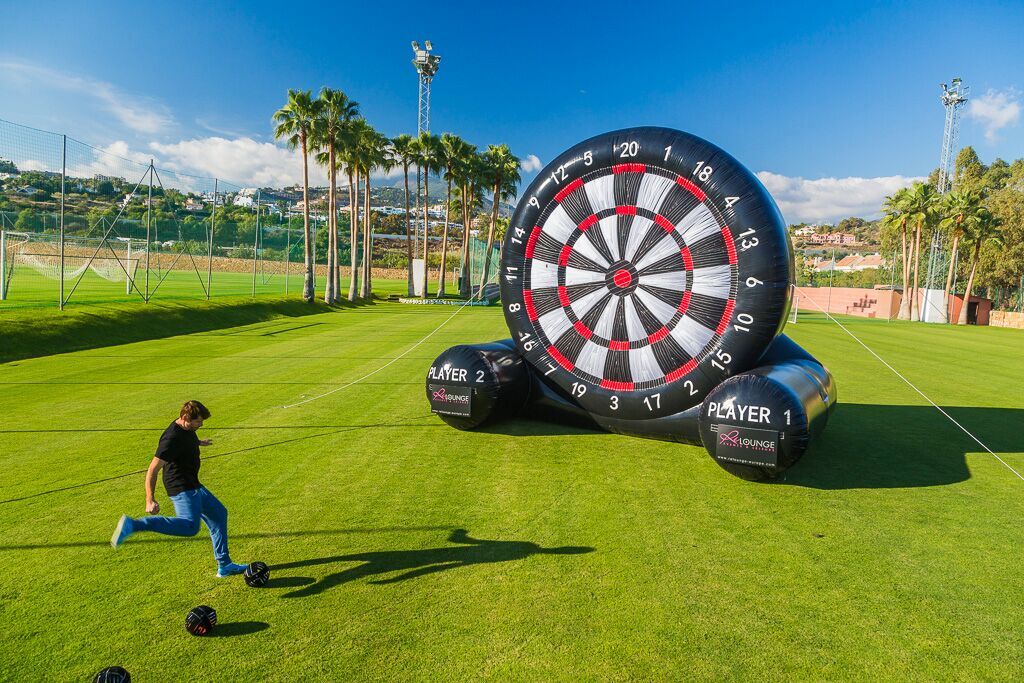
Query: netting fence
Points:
[81, 224]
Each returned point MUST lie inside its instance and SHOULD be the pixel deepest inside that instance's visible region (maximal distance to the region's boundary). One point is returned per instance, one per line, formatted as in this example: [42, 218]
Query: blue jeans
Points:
[190, 507]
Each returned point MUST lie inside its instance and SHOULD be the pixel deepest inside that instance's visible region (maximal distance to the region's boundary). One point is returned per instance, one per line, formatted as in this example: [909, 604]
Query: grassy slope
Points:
[891, 552]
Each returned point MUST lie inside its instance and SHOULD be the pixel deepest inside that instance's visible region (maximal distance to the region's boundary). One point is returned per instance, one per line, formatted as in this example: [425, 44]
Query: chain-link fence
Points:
[79, 224]
[87, 225]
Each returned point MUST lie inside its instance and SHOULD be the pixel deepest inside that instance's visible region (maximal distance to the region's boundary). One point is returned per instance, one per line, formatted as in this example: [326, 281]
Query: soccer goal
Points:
[26, 256]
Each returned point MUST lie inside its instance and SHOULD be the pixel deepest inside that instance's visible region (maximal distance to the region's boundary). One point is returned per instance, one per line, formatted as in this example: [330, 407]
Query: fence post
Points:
[209, 253]
[3, 264]
[256, 243]
[63, 175]
[149, 225]
[831, 272]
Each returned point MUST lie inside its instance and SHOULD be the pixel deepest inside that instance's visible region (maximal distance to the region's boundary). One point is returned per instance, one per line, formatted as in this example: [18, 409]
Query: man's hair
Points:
[192, 410]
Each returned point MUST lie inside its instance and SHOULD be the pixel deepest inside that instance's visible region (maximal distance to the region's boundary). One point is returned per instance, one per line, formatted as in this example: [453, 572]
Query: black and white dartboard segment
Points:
[624, 276]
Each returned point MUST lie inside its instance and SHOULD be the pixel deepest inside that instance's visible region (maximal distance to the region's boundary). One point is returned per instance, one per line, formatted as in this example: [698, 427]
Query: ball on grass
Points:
[112, 674]
[200, 620]
[256, 574]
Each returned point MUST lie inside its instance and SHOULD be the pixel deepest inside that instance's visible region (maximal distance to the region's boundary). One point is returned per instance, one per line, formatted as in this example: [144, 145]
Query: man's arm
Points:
[153, 507]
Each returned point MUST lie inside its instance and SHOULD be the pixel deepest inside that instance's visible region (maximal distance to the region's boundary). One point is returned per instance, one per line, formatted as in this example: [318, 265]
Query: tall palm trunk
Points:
[464, 282]
[367, 288]
[490, 234]
[408, 233]
[915, 304]
[962, 318]
[949, 275]
[332, 235]
[444, 239]
[307, 285]
[336, 273]
[426, 230]
[904, 313]
[353, 287]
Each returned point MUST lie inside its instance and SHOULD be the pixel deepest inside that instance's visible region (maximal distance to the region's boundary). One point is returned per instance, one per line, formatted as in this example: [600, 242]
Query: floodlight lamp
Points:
[427, 43]
[415, 46]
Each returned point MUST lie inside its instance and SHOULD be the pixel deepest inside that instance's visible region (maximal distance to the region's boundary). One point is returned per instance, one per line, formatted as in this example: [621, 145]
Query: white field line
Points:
[912, 386]
[393, 360]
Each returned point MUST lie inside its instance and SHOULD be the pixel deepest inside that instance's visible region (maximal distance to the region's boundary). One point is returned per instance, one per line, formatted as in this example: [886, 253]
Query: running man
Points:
[178, 456]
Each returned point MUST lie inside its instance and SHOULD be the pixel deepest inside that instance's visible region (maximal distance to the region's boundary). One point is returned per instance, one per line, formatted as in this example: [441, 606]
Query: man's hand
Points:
[152, 507]
[206, 442]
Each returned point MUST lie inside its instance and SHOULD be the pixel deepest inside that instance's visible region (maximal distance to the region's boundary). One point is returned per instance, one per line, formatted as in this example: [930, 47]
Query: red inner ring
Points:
[622, 278]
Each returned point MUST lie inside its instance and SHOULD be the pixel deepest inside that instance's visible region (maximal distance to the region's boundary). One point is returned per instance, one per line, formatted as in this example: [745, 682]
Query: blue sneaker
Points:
[122, 531]
[230, 569]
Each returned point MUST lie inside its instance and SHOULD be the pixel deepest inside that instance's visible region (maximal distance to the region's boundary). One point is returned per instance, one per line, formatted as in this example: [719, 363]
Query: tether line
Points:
[914, 387]
[396, 358]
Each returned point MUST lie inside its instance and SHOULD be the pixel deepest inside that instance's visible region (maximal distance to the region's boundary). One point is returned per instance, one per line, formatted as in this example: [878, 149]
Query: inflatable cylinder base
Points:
[755, 425]
[468, 386]
[758, 424]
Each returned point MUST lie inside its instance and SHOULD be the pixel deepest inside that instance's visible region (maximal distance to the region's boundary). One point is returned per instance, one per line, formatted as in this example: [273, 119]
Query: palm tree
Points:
[984, 227]
[895, 215]
[503, 169]
[956, 208]
[427, 159]
[452, 151]
[294, 123]
[473, 178]
[375, 155]
[920, 207]
[402, 152]
[353, 164]
[335, 113]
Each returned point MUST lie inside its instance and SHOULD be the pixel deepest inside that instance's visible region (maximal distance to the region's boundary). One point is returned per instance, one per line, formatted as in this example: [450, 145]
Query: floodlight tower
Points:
[426, 66]
[954, 96]
[933, 308]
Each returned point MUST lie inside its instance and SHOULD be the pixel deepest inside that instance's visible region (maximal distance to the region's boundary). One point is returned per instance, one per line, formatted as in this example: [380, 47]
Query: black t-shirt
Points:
[179, 448]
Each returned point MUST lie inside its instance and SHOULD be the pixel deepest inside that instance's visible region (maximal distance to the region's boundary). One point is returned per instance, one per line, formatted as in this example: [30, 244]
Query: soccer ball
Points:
[112, 674]
[200, 620]
[256, 574]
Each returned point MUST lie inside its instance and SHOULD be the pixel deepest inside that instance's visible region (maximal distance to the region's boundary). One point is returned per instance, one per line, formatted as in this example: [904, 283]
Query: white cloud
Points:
[995, 110]
[830, 199]
[140, 114]
[531, 163]
[115, 159]
[242, 160]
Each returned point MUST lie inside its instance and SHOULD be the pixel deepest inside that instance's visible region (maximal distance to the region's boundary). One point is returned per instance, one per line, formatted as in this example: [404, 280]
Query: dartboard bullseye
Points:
[640, 268]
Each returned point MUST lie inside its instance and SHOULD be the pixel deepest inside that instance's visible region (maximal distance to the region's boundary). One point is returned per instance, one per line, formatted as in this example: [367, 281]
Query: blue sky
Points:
[835, 105]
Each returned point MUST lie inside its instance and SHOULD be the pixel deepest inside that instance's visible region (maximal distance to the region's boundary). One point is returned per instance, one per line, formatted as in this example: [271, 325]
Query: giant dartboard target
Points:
[643, 267]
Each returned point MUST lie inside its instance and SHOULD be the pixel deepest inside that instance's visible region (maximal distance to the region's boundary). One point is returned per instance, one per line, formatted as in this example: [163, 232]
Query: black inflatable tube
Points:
[785, 401]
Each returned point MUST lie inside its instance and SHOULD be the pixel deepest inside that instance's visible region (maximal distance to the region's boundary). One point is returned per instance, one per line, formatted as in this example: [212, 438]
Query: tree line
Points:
[329, 129]
[981, 217]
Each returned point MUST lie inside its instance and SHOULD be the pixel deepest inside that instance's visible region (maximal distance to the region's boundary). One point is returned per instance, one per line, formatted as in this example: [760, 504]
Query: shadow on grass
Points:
[203, 538]
[289, 582]
[887, 446]
[237, 628]
[37, 333]
[411, 564]
[530, 426]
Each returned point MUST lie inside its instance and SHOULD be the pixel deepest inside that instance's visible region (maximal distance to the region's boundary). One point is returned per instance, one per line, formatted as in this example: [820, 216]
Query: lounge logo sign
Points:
[746, 446]
[446, 399]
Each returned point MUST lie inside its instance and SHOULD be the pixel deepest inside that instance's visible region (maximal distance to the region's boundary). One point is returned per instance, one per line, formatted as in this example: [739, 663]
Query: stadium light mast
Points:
[426, 66]
[954, 96]
[933, 308]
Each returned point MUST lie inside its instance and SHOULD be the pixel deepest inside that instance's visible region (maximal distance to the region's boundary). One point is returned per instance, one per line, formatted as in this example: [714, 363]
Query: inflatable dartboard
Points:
[641, 268]
[645, 278]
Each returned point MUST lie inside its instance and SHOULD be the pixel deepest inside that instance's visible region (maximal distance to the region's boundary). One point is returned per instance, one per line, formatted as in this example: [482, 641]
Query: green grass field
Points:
[892, 551]
[29, 288]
